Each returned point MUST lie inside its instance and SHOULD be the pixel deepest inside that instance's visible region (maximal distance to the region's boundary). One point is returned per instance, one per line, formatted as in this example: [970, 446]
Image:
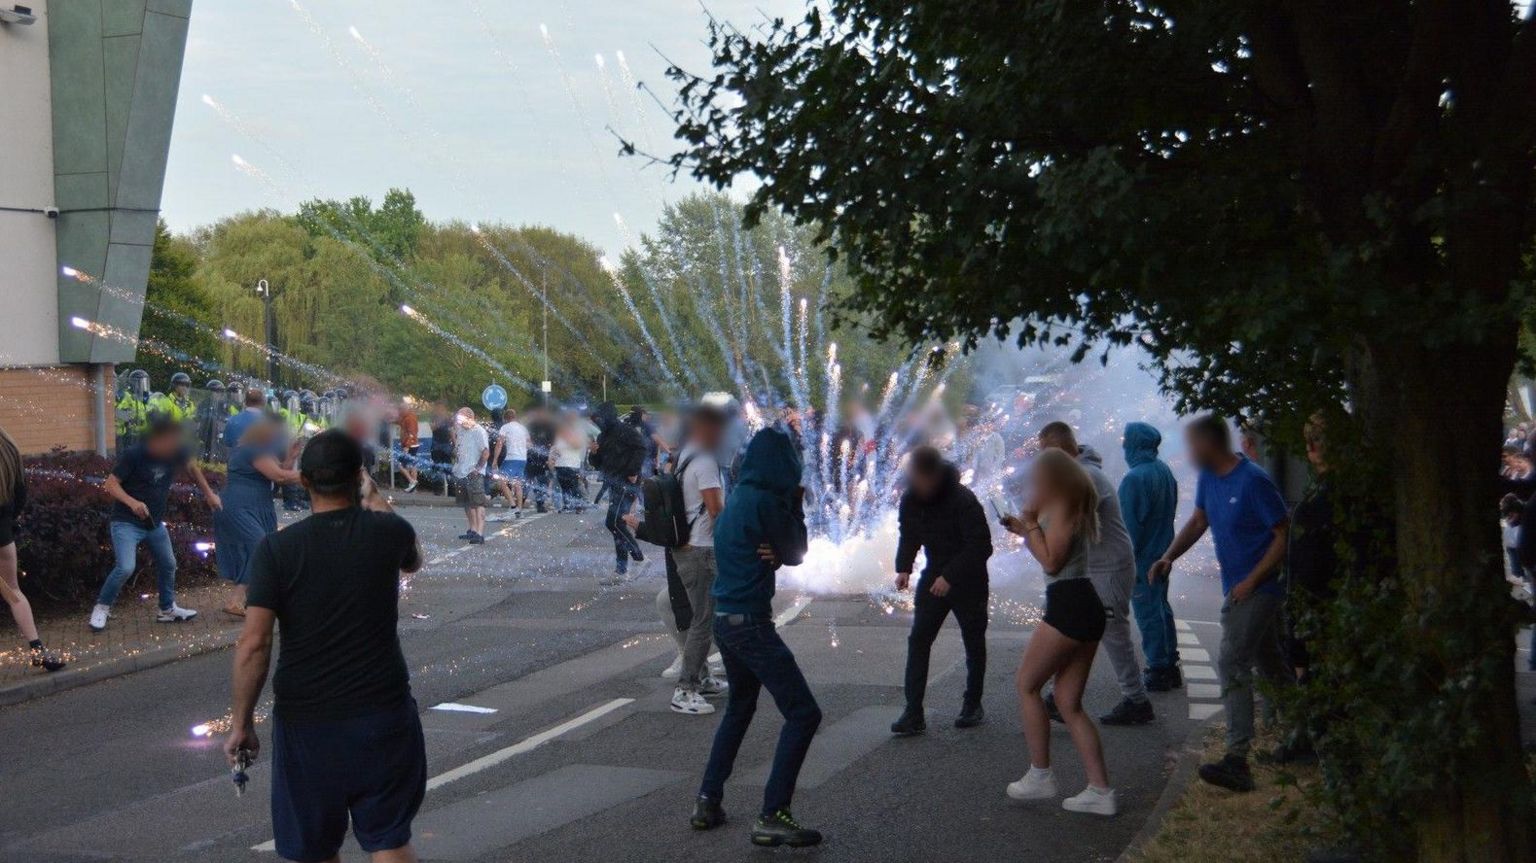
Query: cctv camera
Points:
[51, 212]
[17, 15]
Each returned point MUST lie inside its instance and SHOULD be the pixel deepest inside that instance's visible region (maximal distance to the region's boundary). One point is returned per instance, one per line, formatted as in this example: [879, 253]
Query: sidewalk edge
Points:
[62, 681]
[1178, 780]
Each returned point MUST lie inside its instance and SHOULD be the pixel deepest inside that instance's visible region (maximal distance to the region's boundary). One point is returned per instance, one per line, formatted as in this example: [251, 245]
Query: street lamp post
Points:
[264, 291]
[545, 385]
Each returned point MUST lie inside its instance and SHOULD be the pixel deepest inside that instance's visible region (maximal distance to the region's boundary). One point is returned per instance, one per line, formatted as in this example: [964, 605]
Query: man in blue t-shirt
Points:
[1247, 518]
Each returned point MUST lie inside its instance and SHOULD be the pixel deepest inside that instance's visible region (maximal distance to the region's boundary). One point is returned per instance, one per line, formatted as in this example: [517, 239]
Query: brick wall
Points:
[49, 406]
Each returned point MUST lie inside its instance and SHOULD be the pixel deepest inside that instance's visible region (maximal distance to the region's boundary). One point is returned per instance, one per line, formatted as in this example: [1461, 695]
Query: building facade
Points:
[85, 129]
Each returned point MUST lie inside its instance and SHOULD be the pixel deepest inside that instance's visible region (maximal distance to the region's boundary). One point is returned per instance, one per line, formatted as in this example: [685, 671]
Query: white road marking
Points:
[455, 707]
[1189, 638]
[1203, 690]
[1199, 672]
[1203, 711]
[526, 745]
[1195, 654]
[504, 532]
[487, 761]
[1181, 624]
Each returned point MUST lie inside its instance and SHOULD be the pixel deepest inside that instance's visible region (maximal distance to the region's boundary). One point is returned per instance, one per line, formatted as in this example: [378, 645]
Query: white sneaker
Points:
[713, 686]
[99, 618]
[1092, 802]
[174, 614]
[690, 702]
[1037, 784]
[410, 488]
[673, 671]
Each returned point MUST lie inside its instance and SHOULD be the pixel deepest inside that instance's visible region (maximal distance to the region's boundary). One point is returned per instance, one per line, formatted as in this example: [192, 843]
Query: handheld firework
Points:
[237, 772]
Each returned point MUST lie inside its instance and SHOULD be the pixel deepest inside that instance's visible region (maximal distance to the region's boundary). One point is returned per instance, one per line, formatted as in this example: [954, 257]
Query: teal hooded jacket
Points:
[1149, 496]
[764, 508]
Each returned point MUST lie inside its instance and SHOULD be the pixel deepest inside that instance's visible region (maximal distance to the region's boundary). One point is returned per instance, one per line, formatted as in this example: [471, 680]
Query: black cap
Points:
[331, 462]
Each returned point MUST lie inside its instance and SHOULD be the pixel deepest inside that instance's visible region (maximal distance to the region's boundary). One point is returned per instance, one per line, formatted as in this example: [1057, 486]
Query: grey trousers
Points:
[696, 569]
[1114, 589]
[1250, 641]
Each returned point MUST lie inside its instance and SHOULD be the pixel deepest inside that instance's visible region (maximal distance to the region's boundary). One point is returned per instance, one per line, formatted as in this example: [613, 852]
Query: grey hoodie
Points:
[1112, 557]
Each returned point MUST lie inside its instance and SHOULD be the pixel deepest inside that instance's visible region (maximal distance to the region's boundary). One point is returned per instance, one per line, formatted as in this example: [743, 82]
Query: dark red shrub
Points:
[63, 540]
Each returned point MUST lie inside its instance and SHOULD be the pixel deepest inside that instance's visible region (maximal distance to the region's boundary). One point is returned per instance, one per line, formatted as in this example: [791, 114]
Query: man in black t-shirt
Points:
[346, 739]
[139, 486]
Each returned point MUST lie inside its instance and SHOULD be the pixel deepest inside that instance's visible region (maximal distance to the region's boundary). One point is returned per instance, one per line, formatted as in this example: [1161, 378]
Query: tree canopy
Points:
[1292, 206]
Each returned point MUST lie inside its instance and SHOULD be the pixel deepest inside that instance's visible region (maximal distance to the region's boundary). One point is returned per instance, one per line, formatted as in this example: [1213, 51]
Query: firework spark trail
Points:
[786, 304]
[706, 309]
[581, 111]
[554, 312]
[804, 369]
[667, 329]
[234, 121]
[829, 415]
[607, 82]
[645, 331]
[632, 84]
[462, 345]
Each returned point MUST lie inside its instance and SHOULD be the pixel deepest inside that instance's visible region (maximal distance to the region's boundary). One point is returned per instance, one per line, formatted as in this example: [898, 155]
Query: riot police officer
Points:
[132, 408]
[176, 405]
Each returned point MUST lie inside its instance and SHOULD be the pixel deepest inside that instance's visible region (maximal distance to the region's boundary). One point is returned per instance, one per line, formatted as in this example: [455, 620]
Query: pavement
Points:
[568, 749]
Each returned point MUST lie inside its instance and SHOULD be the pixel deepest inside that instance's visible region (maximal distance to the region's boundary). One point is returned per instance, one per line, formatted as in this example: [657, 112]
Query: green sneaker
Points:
[707, 813]
[780, 829]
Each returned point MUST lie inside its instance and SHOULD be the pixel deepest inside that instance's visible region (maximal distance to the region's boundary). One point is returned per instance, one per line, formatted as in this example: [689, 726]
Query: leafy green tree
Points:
[1292, 206]
[177, 332]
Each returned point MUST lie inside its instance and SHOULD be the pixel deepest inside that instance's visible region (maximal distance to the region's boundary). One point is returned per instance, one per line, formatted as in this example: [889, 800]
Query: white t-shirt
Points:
[569, 450]
[514, 441]
[468, 445]
[703, 473]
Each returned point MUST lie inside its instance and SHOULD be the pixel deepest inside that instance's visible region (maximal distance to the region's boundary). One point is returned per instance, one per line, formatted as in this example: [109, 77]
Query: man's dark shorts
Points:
[371, 768]
[471, 491]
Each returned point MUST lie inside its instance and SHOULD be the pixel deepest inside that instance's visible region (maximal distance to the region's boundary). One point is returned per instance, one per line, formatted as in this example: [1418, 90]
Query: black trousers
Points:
[970, 610]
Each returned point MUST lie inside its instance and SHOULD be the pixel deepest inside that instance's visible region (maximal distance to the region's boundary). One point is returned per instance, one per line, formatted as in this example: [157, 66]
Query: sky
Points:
[461, 101]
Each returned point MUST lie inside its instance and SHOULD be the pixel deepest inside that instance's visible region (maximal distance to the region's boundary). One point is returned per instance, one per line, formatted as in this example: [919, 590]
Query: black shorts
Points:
[371, 769]
[7, 530]
[1074, 609]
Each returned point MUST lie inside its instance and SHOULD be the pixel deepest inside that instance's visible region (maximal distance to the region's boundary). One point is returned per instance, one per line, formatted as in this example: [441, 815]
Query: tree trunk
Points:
[1439, 415]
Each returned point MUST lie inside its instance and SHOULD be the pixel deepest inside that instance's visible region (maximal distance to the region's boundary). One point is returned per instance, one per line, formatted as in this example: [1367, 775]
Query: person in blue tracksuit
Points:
[1148, 497]
[761, 528]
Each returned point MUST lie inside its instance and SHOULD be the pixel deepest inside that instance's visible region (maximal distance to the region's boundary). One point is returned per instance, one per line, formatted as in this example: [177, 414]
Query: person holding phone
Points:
[1059, 525]
[942, 518]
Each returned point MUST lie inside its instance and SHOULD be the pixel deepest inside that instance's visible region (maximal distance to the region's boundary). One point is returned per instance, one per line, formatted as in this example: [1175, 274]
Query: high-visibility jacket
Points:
[132, 415]
[181, 410]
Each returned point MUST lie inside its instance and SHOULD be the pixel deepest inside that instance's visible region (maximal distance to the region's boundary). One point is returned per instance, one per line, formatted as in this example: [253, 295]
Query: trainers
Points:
[1092, 802]
[410, 488]
[707, 813]
[1050, 707]
[690, 702]
[1231, 773]
[99, 618]
[673, 671]
[636, 555]
[468, 534]
[45, 659]
[1129, 712]
[712, 686]
[1037, 784]
[477, 539]
[1157, 680]
[910, 723]
[971, 715]
[174, 614]
[780, 829]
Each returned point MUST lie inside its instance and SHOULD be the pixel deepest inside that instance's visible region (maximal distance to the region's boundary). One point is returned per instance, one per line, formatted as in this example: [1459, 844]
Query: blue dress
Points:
[247, 516]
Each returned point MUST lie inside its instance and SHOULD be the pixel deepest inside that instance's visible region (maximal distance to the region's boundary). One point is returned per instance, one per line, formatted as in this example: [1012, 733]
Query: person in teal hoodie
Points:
[761, 528]
[1148, 497]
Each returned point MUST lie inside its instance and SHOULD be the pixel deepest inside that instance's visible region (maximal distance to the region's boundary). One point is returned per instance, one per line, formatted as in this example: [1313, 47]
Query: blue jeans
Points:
[756, 657]
[621, 497]
[1154, 617]
[125, 546]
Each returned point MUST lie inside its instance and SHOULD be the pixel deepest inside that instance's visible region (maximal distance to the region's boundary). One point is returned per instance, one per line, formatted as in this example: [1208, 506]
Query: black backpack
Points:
[665, 520]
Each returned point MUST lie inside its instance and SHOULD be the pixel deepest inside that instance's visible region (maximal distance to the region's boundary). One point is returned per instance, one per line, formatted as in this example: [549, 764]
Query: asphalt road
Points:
[582, 760]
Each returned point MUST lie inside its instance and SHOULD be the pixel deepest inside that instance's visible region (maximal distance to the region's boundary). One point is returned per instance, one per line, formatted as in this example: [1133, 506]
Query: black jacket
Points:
[951, 528]
[620, 446]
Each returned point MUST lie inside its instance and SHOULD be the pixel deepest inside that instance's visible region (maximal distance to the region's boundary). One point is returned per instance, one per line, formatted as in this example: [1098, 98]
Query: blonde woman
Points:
[13, 496]
[1058, 525]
